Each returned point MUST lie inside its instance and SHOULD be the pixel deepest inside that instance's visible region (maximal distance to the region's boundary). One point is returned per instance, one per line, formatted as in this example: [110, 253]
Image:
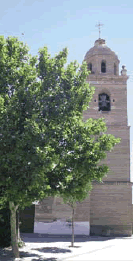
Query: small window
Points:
[103, 67]
[104, 102]
[90, 67]
[114, 69]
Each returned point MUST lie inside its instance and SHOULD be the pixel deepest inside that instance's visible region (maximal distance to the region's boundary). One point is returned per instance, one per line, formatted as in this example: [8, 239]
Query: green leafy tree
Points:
[91, 146]
[72, 199]
[79, 145]
[21, 158]
[45, 146]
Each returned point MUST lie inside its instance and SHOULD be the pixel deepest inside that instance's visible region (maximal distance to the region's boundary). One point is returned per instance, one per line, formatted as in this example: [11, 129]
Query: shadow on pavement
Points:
[48, 238]
[6, 255]
[45, 259]
[53, 250]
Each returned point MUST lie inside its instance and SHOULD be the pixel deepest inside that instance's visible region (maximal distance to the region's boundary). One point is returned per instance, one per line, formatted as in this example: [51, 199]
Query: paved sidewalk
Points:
[41, 247]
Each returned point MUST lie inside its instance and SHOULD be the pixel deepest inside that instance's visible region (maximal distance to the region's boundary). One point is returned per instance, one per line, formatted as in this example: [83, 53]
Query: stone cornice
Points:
[118, 125]
[103, 79]
[112, 183]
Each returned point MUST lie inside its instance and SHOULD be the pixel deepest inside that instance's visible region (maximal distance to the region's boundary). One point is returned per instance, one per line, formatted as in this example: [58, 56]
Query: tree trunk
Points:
[17, 226]
[72, 227]
[14, 241]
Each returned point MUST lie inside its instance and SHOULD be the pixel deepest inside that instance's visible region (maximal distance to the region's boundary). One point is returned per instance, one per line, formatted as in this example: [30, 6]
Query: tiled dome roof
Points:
[100, 48]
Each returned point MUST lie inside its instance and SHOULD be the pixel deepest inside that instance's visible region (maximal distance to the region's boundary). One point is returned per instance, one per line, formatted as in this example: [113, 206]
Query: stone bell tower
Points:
[108, 209]
[110, 201]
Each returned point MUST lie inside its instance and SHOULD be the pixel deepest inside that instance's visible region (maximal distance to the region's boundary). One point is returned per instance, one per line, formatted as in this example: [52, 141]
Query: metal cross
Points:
[99, 25]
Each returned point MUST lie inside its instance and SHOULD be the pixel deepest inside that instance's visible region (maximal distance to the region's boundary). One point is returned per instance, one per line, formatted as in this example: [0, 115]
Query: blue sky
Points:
[71, 23]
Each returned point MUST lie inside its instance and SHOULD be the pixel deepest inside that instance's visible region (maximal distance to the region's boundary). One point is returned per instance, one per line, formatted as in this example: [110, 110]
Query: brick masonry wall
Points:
[53, 208]
[111, 230]
[118, 93]
[43, 211]
[132, 218]
[118, 160]
[116, 120]
[111, 205]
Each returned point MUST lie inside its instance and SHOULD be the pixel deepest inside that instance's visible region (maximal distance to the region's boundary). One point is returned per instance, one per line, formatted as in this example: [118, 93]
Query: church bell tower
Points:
[107, 211]
[110, 201]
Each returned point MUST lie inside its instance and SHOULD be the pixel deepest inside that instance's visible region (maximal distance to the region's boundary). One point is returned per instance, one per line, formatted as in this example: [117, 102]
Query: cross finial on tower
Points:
[99, 25]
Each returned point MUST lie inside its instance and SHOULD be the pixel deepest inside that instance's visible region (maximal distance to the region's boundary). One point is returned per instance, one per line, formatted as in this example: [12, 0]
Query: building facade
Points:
[111, 201]
[108, 208]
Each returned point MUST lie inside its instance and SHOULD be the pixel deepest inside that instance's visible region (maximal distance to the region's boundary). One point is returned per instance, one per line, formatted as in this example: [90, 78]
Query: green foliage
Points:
[45, 146]
[21, 243]
[20, 161]
[80, 193]
[77, 147]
